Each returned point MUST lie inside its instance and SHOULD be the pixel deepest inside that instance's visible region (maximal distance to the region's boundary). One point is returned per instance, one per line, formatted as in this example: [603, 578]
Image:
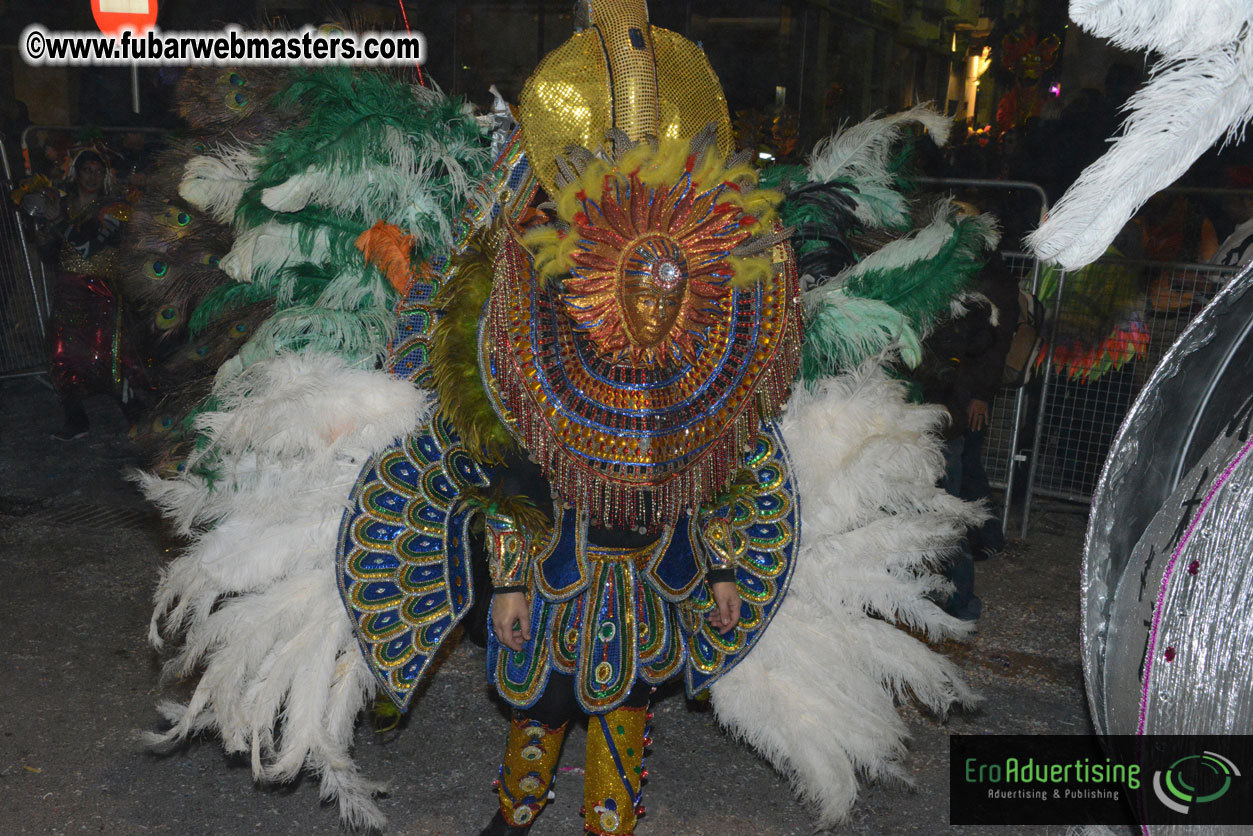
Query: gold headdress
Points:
[619, 72]
[635, 345]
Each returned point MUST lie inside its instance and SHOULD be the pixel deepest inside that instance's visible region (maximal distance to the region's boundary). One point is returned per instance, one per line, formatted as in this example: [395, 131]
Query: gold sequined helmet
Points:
[619, 72]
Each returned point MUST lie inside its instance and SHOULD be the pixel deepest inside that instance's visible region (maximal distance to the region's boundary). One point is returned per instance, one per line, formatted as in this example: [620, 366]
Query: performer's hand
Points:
[511, 619]
[726, 612]
[978, 414]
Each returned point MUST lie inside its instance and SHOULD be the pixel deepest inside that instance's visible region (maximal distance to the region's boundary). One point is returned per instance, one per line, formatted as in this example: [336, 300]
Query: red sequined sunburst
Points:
[650, 273]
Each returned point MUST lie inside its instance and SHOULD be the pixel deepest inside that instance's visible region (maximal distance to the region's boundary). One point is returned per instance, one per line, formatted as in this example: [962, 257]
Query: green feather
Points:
[454, 354]
[783, 177]
[921, 287]
[359, 336]
[374, 143]
[844, 332]
[305, 285]
[369, 147]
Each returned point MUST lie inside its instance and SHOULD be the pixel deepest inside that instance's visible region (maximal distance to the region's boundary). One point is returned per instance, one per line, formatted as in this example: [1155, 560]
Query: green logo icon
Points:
[1195, 779]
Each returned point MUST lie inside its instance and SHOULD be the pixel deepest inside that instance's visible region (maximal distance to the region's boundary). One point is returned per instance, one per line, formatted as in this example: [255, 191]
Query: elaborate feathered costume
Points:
[597, 373]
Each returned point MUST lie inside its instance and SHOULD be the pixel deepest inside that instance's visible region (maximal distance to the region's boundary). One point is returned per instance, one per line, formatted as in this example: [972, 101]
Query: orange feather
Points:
[388, 248]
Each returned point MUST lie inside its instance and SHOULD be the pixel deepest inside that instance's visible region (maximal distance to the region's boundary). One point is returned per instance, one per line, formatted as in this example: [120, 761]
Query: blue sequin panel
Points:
[562, 566]
[676, 574]
[766, 538]
[386, 625]
[402, 561]
[457, 567]
[608, 654]
[520, 676]
[373, 565]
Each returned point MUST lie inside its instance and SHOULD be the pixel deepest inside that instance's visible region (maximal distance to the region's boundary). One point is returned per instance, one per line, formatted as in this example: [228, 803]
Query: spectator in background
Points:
[1236, 248]
[963, 366]
[91, 351]
[1175, 230]
[983, 377]
[14, 119]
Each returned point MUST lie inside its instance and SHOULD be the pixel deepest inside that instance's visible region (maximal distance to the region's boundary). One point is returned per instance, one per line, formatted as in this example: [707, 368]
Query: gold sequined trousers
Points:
[614, 767]
[530, 764]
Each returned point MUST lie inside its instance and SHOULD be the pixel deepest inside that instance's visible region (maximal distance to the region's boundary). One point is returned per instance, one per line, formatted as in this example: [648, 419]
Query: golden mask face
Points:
[654, 286]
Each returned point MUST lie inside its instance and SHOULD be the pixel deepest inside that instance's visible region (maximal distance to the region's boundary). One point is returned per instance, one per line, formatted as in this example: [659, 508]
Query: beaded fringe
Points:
[614, 495]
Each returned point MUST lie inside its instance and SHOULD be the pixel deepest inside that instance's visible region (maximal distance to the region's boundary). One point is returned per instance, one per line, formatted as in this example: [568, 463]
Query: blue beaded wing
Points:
[764, 526]
[403, 562]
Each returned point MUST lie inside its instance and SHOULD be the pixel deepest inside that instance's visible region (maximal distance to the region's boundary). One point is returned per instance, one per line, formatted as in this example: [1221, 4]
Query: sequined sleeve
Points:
[508, 551]
[717, 535]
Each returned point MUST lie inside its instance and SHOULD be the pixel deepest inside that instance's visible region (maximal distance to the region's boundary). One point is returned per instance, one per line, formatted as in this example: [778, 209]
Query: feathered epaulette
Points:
[864, 159]
[821, 216]
[893, 296]
[253, 248]
[454, 351]
[176, 242]
[368, 149]
[876, 279]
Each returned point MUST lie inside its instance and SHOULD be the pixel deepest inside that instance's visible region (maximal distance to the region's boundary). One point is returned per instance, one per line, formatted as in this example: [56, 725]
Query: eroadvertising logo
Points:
[1028, 778]
[1194, 779]
[1089, 779]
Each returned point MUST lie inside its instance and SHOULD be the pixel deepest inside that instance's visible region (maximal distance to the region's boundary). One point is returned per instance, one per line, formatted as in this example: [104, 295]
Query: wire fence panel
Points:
[1019, 205]
[1114, 304]
[1062, 423]
[23, 295]
[998, 445]
[25, 281]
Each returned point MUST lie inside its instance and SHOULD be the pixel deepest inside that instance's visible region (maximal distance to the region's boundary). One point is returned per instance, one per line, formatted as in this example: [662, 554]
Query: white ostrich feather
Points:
[1188, 105]
[406, 187]
[859, 327]
[253, 598]
[215, 183]
[964, 301]
[861, 154]
[1174, 28]
[263, 250]
[259, 616]
[874, 527]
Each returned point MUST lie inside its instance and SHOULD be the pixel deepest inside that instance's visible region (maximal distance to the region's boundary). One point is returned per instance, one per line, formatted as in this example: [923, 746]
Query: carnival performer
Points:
[80, 230]
[633, 349]
[587, 342]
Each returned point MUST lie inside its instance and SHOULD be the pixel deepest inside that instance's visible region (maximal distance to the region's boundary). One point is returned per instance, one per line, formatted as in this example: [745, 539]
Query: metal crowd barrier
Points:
[1056, 432]
[1076, 420]
[24, 297]
[1003, 451]
[25, 281]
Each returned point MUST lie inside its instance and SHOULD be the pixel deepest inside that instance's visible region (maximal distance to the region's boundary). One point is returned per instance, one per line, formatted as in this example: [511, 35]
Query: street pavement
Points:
[79, 556]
